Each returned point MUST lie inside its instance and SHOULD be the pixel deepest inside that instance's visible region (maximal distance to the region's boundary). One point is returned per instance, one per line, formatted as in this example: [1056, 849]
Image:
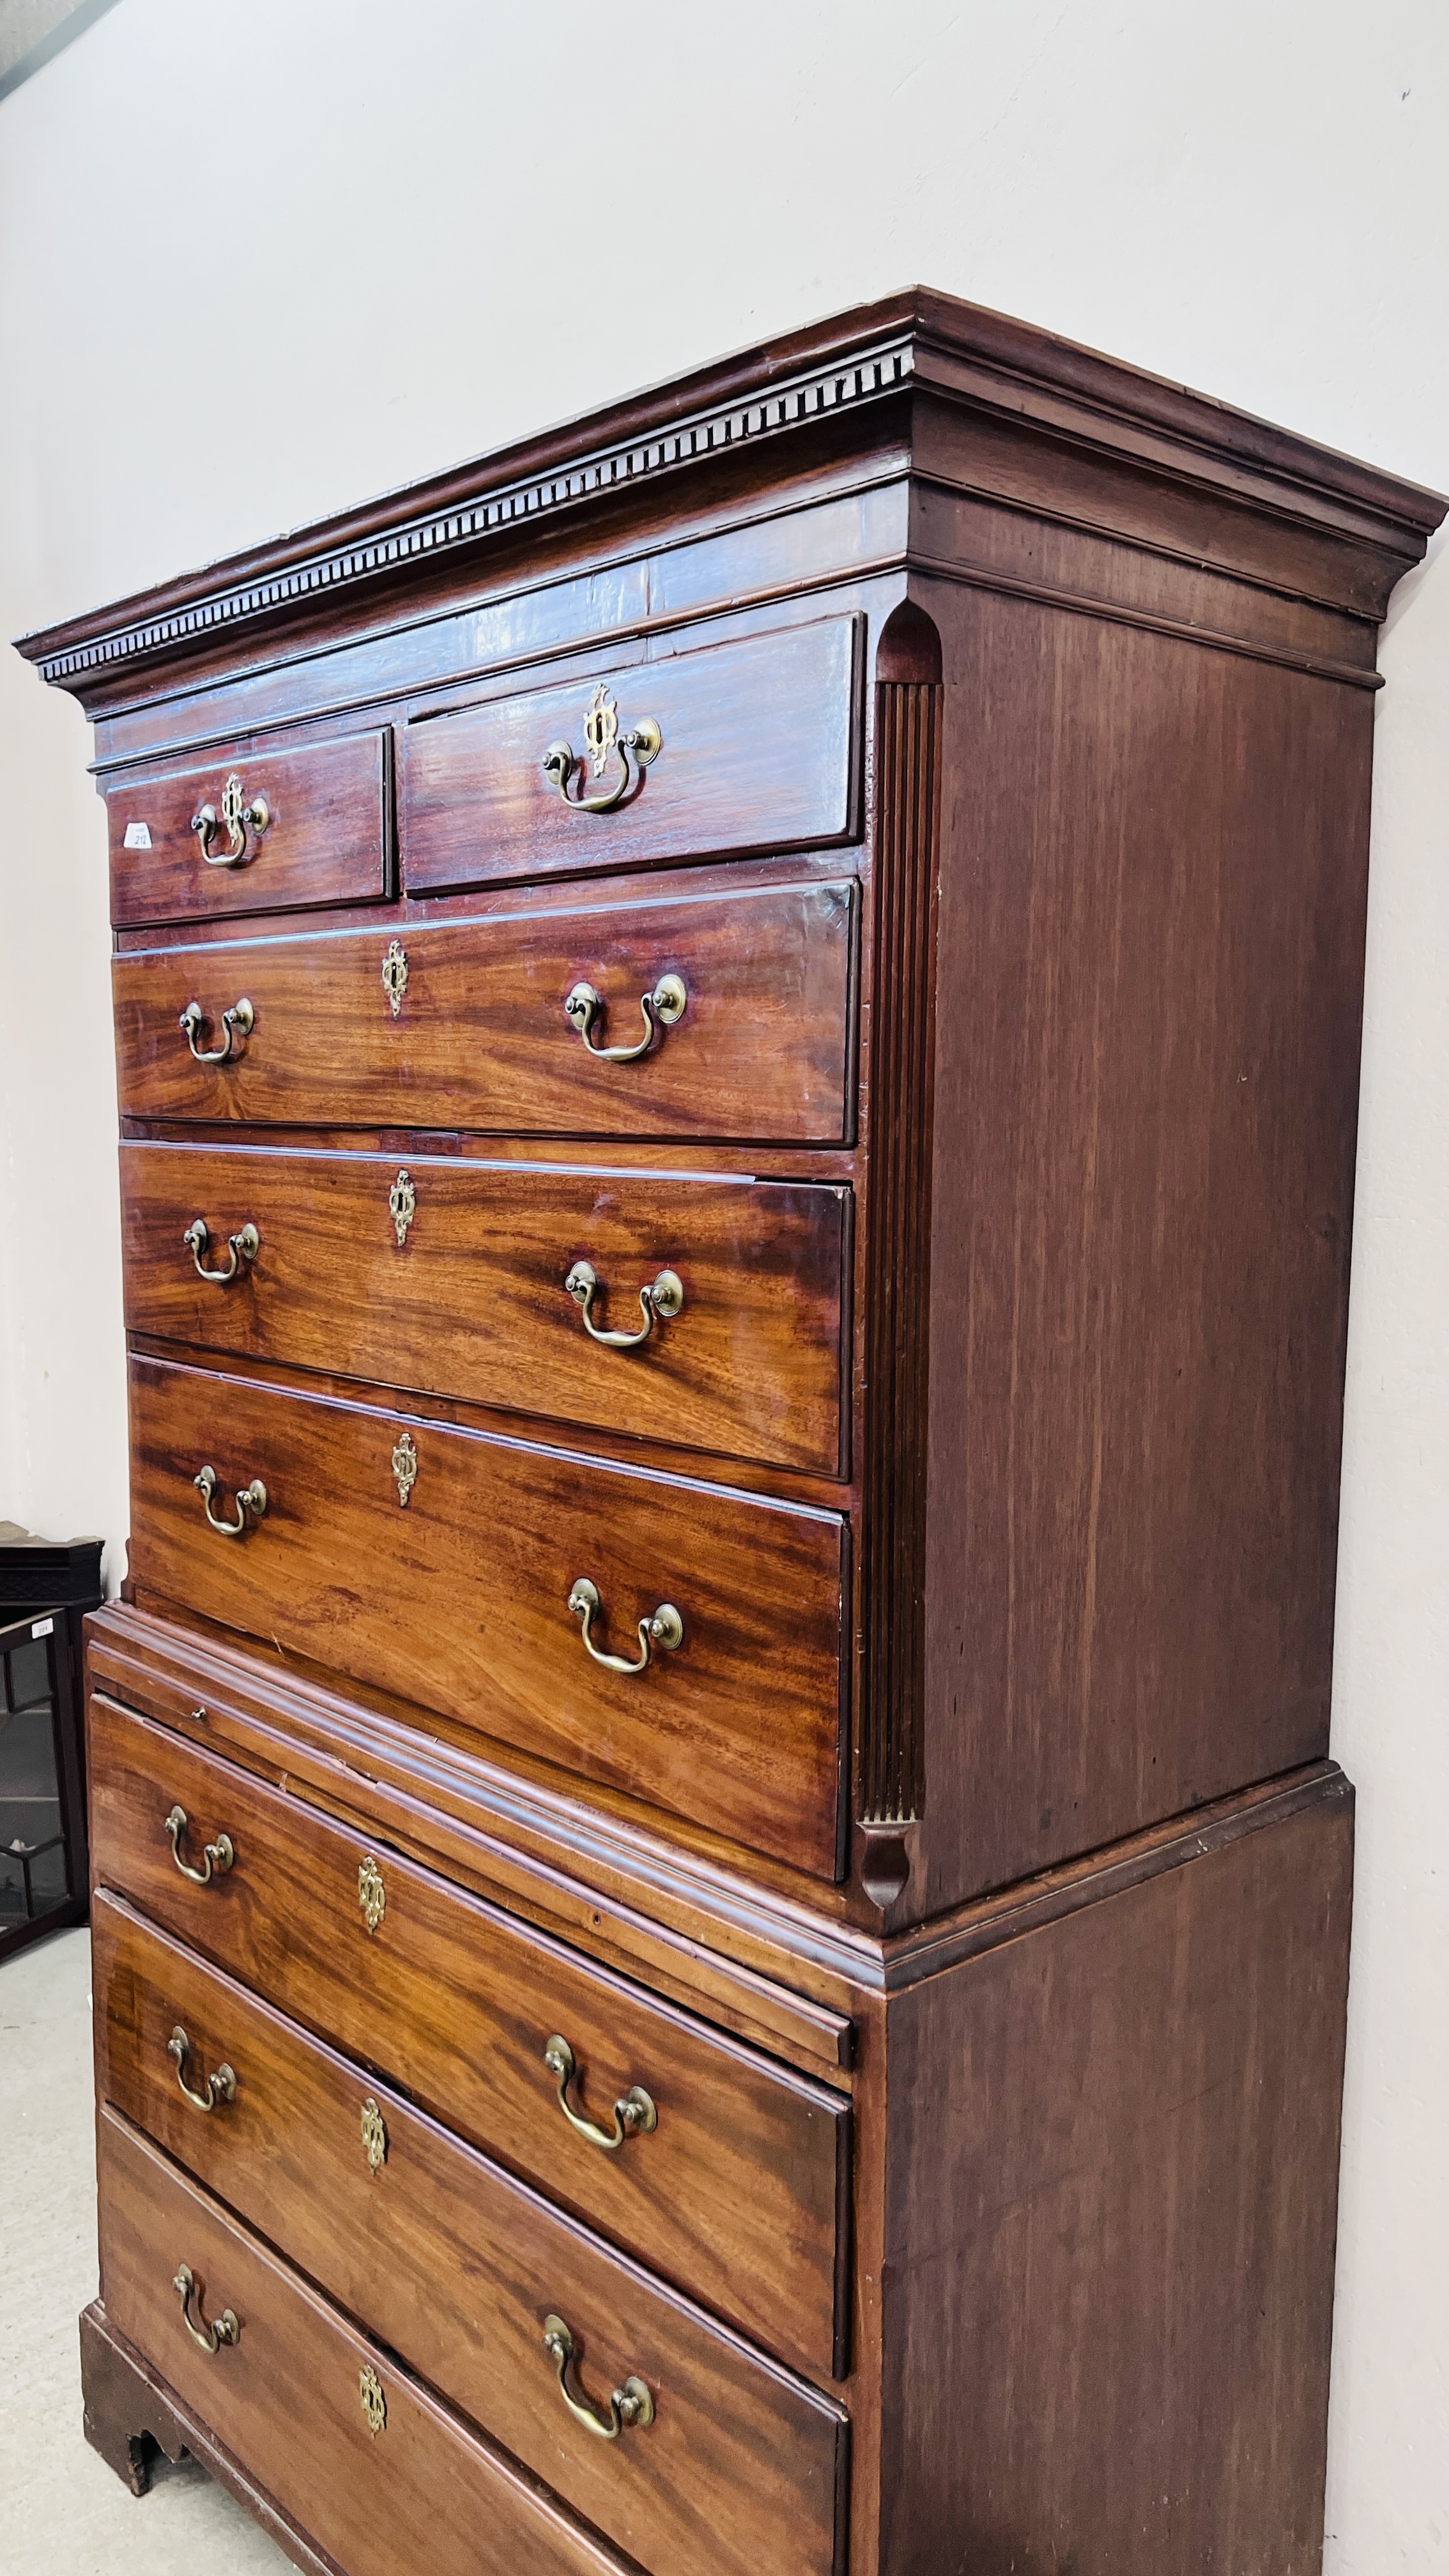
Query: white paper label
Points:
[43, 1628]
[138, 836]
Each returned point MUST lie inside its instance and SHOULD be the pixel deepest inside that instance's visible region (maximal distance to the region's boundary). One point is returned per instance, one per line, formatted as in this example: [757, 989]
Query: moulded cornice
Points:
[850, 364]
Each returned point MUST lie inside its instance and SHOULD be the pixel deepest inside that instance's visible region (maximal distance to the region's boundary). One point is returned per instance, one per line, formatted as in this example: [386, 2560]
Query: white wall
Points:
[259, 258]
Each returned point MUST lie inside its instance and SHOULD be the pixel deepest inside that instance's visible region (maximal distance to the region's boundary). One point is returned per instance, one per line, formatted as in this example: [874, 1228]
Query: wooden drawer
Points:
[735, 2195]
[451, 1277]
[738, 1728]
[756, 751]
[480, 1039]
[324, 838]
[456, 2267]
[286, 2397]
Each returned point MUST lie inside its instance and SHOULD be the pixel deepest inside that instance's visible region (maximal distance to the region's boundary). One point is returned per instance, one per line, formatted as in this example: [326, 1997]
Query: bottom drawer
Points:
[385, 2492]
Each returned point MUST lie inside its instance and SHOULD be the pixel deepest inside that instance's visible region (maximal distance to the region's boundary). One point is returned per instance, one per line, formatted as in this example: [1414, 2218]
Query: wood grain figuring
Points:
[739, 1727]
[473, 1301]
[732, 2197]
[480, 1039]
[455, 2266]
[1114, 2163]
[908, 726]
[712, 1941]
[287, 2394]
[1153, 897]
[758, 753]
[326, 840]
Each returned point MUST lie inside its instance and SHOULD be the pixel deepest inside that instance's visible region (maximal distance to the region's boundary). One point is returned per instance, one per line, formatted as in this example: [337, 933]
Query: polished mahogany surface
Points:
[738, 1051]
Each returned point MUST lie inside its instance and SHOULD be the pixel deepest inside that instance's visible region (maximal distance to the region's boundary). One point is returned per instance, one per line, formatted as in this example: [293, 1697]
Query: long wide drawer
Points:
[259, 832]
[360, 2457]
[733, 2193]
[464, 1024]
[458, 2268]
[442, 1564]
[452, 1277]
[748, 744]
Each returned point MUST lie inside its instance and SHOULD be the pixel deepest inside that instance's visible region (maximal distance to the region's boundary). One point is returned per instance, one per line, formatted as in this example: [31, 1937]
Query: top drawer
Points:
[744, 746]
[251, 833]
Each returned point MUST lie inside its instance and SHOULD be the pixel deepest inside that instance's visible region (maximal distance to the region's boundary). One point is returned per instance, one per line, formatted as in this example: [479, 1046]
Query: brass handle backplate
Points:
[633, 751]
[634, 2113]
[244, 1247]
[238, 814]
[661, 1009]
[631, 2404]
[220, 2087]
[250, 1498]
[665, 1628]
[217, 1856]
[239, 1021]
[210, 2338]
[663, 1297]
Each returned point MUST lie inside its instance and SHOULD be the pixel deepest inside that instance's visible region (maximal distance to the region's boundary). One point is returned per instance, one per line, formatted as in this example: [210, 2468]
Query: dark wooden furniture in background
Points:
[738, 1039]
[46, 1589]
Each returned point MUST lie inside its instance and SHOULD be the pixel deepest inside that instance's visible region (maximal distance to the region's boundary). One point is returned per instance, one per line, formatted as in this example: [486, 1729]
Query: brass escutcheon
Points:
[634, 2113]
[661, 1009]
[633, 751]
[405, 1467]
[395, 974]
[371, 1894]
[402, 1202]
[374, 2403]
[631, 2404]
[374, 2135]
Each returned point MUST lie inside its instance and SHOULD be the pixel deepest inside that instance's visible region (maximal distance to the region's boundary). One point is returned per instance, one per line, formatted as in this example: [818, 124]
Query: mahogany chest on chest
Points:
[721, 1913]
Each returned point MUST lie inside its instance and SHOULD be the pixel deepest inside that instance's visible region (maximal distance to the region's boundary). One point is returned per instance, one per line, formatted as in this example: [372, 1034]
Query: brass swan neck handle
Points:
[662, 1297]
[632, 750]
[665, 1629]
[631, 2404]
[661, 1009]
[251, 1498]
[239, 1021]
[244, 1247]
[217, 1856]
[218, 2088]
[239, 812]
[211, 2338]
[634, 2112]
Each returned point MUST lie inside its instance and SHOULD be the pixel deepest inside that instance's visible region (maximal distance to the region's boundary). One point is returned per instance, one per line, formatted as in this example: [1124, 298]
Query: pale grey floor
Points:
[62, 2511]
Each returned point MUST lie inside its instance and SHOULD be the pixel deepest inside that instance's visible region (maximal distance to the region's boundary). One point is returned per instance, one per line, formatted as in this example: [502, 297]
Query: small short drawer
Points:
[748, 745]
[449, 1566]
[731, 2185]
[457, 2268]
[453, 1277]
[726, 1016]
[359, 2456]
[251, 832]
